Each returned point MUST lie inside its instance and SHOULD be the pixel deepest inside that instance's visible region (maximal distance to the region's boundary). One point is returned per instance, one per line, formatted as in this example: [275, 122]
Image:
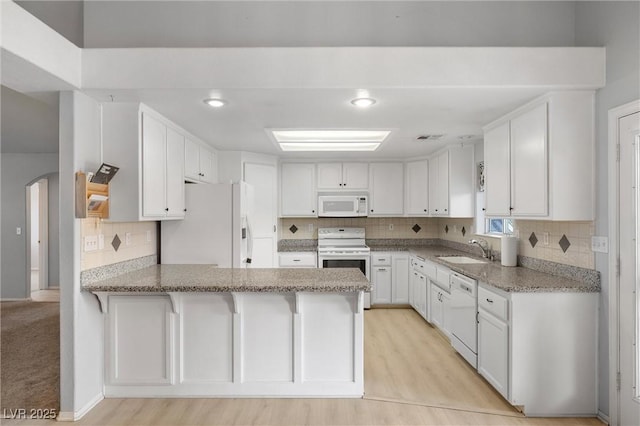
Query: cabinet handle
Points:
[344, 184]
[313, 211]
[510, 208]
[425, 210]
[167, 209]
[436, 209]
[296, 260]
[371, 210]
[339, 184]
[477, 319]
[489, 300]
[382, 269]
[483, 209]
[445, 210]
[185, 210]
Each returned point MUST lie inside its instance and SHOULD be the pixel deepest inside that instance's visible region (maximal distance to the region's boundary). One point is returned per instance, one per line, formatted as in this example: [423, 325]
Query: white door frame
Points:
[614, 254]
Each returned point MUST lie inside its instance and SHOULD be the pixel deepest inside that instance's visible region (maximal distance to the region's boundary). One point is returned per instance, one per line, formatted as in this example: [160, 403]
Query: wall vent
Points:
[429, 137]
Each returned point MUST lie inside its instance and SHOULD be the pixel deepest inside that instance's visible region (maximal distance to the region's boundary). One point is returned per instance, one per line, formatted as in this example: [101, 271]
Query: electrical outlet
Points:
[148, 236]
[127, 238]
[600, 244]
[391, 227]
[545, 238]
[18, 231]
[455, 228]
[91, 243]
[100, 241]
[310, 228]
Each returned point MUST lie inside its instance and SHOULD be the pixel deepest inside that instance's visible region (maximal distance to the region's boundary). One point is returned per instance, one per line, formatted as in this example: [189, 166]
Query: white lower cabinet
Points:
[493, 351]
[381, 281]
[440, 308]
[390, 278]
[301, 259]
[539, 350]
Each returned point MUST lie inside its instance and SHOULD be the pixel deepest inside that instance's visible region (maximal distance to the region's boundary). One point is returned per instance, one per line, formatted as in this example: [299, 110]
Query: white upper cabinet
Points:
[297, 190]
[149, 150]
[417, 188]
[497, 172]
[539, 159]
[439, 184]
[175, 174]
[451, 182]
[386, 189]
[349, 176]
[200, 163]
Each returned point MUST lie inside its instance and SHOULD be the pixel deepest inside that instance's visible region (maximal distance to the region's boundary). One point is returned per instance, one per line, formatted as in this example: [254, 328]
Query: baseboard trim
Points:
[23, 299]
[73, 416]
[603, 417]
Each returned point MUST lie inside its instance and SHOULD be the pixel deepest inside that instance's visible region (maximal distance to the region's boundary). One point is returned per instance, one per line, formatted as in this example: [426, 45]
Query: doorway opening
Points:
[38, 235]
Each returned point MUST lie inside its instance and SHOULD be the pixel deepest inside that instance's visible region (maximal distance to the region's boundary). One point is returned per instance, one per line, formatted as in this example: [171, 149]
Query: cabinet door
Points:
[298, 192]
[191, 160]
[414, 282]
[154, 151]
[435, 306]
[493, 352]
[418, 188]
[434, 187]
[497, 171]
[381, 285]
[355, 175]
[400, 282]
[445, 298]
[529, 166]
[208, 167]
[175, 174]
[386, 186]
[330, 176]
[423, 298]
[443, 183]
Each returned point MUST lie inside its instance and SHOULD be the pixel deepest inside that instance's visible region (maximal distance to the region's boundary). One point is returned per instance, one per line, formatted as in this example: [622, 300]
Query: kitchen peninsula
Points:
[199, 330]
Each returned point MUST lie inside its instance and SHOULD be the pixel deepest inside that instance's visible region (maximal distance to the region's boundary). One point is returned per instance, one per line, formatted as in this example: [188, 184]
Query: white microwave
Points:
[342, 205]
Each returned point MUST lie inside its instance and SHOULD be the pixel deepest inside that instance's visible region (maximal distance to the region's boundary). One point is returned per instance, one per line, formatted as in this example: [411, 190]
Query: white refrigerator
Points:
[216, 228]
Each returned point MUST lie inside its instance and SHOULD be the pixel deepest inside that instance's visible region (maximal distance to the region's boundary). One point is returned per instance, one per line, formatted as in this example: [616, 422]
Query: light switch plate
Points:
[18, 231]
[90, 243]
[148, 236]
[127, 238]
[600, 244]
[545, 238]
[100, 241]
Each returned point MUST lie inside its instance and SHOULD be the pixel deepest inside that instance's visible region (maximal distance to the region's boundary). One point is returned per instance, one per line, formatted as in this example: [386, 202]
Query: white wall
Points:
[328, 23]
[81, 323]
[615, 25]
[18, 170]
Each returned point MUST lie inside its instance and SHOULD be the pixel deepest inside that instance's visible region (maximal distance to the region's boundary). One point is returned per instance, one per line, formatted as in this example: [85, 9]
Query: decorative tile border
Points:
[109, 271]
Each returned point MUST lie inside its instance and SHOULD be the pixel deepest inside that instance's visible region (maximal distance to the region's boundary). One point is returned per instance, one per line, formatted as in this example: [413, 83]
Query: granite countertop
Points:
[509, 279]
[209, 278]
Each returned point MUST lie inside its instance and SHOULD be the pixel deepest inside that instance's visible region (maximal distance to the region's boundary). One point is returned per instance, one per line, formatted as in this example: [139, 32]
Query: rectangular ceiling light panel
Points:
[330, 140]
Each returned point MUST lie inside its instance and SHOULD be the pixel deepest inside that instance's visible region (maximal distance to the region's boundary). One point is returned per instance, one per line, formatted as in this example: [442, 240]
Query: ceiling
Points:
[408, 113]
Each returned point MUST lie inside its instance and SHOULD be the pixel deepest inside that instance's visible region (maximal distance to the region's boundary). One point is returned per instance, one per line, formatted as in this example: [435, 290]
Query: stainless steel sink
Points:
[461, 259]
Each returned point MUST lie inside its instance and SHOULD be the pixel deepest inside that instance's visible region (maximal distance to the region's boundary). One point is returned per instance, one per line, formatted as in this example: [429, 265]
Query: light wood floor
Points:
[48, 295]
[412, 377]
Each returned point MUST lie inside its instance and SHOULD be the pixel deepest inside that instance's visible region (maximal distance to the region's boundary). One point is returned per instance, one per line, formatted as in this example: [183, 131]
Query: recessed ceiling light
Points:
[363, 102]
[215, 102]
[329, 140]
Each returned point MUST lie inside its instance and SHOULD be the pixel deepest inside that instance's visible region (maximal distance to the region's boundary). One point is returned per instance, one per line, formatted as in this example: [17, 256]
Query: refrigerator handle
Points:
[249, 240]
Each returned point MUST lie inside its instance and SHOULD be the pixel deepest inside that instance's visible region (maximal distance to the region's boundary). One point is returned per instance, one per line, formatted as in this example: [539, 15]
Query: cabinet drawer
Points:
[302, 260]
[493, 303]
[382, 259]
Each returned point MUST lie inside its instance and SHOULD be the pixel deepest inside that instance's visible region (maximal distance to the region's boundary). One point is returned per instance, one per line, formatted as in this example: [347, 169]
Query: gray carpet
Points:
[29, 355]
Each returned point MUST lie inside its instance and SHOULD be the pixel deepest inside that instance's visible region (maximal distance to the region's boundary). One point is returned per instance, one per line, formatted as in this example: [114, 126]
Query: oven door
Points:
[345, 261]
[359, 261]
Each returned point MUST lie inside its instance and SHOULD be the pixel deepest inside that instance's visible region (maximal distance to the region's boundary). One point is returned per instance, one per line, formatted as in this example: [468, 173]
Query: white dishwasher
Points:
[464, 324]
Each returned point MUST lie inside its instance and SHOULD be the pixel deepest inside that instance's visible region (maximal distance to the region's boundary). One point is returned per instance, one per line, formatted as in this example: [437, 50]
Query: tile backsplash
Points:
[577, 234]
[138, 245]
[384, 227]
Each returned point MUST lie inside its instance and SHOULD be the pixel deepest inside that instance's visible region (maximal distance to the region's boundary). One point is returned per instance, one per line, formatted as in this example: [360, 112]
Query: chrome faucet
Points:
[486, 251]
